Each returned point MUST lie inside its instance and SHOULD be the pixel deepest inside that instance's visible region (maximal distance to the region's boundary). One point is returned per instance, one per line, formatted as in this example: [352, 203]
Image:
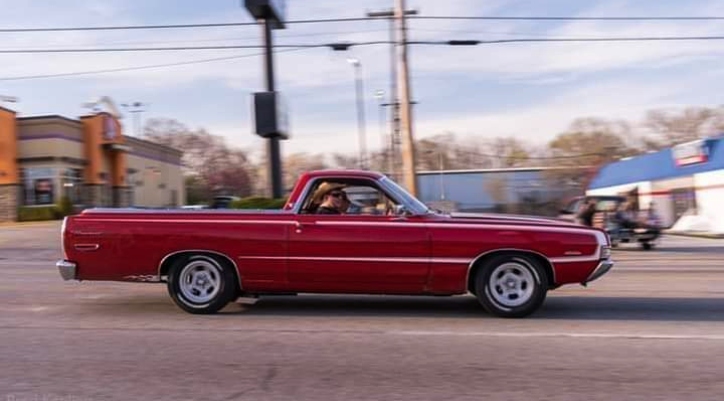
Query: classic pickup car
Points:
[390, 243]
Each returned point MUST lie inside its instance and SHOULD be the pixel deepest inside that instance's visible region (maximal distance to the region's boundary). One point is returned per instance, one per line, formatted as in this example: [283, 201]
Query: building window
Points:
[38, 186]
[684, 200]
[72, 184]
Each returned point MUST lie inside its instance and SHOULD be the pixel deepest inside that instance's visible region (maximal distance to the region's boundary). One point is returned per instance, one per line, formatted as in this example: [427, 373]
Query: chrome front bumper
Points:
[603, 267]
[67, 269]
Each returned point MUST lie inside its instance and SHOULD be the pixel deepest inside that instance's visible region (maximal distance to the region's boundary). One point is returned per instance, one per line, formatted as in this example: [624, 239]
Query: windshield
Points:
[400, 194]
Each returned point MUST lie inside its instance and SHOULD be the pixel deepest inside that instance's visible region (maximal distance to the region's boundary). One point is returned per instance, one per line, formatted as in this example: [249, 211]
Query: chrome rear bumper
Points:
[603, 267]
[67, 269]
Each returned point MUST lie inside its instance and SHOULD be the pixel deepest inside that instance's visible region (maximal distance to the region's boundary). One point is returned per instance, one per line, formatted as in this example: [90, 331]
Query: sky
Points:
[531, 91]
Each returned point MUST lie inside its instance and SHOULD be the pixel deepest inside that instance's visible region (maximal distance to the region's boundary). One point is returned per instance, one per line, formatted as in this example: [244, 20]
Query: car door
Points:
[358, 253]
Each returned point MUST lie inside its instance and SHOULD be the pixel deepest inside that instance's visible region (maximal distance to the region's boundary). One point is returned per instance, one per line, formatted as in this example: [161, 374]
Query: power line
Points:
[174, 26]
[355, 19]
[144, 67]
[239, 38]
[559, 18]
[145, 49]
[541, 40]
[346, 45]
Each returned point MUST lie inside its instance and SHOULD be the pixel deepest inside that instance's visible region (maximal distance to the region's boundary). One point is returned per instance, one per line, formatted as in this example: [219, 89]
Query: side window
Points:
[573, 206]
[361, 197]
[364, 199]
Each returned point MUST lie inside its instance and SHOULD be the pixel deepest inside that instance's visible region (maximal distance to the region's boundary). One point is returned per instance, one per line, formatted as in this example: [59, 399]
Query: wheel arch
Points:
[165, 265]
[480, 260]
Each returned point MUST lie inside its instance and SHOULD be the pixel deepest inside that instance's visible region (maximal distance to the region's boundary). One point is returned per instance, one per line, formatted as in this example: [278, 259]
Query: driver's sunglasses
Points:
[336, 194]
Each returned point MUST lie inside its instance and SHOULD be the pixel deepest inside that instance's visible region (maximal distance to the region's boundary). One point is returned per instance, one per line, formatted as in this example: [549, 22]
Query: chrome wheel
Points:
[200, 281]
[512, 284]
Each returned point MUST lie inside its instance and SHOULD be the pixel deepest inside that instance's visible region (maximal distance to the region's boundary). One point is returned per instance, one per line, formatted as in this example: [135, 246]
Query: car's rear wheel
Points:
[511, 285]
[201, 284]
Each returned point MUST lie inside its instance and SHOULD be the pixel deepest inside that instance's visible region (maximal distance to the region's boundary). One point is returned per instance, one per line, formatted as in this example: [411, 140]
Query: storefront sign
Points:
[110, 131]
[690, 153]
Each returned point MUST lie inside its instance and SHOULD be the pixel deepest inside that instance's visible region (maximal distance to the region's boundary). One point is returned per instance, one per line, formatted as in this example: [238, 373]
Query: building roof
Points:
[658, 166]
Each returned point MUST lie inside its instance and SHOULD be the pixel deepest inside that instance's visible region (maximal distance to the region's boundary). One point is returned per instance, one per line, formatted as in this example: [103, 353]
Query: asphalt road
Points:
[652, 329]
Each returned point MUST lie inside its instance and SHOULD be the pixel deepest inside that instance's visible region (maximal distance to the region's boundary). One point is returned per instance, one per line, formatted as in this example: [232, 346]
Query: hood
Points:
[512, 219]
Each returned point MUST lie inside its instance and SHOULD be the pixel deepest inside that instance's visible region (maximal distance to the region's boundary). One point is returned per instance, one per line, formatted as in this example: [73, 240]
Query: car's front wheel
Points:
[201, 284]
[511, 285]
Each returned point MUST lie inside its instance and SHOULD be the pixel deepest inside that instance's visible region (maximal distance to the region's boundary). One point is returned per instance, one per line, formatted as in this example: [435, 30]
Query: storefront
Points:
[685, 184]
[45, 159]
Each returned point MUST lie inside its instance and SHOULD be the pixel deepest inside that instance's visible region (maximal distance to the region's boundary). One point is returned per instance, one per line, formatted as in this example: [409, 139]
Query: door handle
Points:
[299, 225]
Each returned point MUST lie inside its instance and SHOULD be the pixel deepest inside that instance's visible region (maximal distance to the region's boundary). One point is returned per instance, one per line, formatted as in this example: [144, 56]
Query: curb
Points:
[21, 224]
[695, 235]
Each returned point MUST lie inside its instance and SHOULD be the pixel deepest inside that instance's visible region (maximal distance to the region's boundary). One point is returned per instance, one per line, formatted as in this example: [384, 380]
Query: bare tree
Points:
[298, 163]
[673, 127]
[219, 168]
[588, 144]
[508, 152]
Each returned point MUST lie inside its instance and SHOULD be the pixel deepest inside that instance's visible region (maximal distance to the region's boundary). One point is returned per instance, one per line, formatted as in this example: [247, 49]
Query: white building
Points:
[685, 184]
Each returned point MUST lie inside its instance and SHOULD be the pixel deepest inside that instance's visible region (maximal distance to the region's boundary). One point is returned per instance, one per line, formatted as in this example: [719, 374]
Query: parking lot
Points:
[653, 328]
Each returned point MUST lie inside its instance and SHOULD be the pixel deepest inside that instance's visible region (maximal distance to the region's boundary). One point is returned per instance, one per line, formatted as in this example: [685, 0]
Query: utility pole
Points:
[408, 144]
[394, 99]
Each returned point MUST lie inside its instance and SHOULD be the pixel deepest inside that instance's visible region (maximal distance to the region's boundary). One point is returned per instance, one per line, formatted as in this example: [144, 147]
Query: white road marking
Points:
[641, 336]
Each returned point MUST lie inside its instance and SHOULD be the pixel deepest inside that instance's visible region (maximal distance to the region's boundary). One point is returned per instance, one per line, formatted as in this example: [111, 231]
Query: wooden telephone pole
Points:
[408, 143]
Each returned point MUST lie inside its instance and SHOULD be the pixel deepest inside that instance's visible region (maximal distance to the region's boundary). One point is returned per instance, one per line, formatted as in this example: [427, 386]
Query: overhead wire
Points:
[345, 45]
[358, 19]
[136, 68]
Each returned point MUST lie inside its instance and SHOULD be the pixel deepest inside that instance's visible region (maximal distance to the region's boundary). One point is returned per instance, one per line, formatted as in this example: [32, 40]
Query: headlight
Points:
[605, 252]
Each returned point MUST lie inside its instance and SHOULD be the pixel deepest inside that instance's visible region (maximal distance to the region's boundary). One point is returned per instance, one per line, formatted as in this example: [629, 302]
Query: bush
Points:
[257, 202]
[38, 213]
[65, 207]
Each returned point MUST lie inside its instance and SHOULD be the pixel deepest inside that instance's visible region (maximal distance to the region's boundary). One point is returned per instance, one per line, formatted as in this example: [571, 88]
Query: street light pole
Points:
[384, 151]
[360, 111]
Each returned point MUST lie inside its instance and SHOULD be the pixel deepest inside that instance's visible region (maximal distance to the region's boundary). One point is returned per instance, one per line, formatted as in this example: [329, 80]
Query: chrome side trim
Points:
[362, 259]
[599, 271]
[67, 269]
[482, 255]
[233, 263]
[196, 221]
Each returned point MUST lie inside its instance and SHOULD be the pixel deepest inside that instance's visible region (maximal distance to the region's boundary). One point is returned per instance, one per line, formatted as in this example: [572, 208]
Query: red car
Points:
[392, 244]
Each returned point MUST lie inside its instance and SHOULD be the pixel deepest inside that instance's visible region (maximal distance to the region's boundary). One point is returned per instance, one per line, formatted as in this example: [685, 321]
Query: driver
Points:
[331, 198]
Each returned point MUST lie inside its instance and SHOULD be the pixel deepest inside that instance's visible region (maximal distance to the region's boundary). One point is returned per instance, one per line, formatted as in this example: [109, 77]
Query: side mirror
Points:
[400, 210]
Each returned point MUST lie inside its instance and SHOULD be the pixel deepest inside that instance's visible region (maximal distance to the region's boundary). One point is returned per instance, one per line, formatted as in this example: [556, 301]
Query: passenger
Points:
[625, 215]
[330, 198]
[652, 217]
[587, 211]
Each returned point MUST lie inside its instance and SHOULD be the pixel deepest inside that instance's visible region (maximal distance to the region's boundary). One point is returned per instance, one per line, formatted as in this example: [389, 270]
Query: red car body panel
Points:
[282, 251]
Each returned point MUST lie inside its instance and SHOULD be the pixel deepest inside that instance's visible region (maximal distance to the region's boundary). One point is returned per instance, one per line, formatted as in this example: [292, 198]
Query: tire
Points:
[201, 284]
[647, 246]
[511, 285]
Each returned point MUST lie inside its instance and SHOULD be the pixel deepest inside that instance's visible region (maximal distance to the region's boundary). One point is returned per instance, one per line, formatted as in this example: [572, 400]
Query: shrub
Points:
[38, 213]
[257, 202]
[65, 207]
